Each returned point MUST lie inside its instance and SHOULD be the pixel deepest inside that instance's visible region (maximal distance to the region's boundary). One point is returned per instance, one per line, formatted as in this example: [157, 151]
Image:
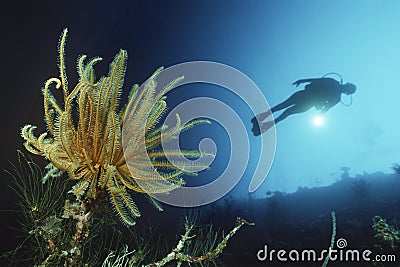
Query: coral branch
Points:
[81, 214]
[180, 257]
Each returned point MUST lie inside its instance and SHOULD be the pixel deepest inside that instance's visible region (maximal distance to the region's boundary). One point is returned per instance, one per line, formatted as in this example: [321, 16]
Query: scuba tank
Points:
[341, 83]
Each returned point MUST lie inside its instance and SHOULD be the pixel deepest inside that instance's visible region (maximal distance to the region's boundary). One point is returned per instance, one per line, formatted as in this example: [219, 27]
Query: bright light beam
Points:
[318, 120]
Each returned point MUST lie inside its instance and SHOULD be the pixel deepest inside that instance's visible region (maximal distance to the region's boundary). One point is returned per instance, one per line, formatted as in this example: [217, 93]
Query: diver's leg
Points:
[266, 125]
[258, 119]
[262, 116]
[292, 110]
[296, 103]
[292, 100]
[288, 102]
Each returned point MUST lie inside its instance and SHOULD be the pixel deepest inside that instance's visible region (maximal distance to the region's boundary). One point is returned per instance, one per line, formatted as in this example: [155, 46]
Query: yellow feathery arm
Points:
[136, 99]
[154, 133]
[158, 177]
[84, 134]
[66, 138]
[107, 104]
[122, 203]
[81, 68]
[60, 158]
[155, 114]
[79, 188]
[136, 124]
[106, 175]
[31, 142]
[98, 120]
[178, 153]
[115, 81]
[193, 123]
[112, 141]
[89, 70]
[170, 164]
[109, 140]
[61, 64]
[165, 135]
[116, 142]
[155, 203]
[129, 204]
[147, 185]
[49, 101]
[119, 208]
[101, 144]
[119, 71]
[119, 157]
[129, 184]
[132, 95]
[67, 114]
[151, 187]
[178, 165]
[141, 173]
[155, 140]
[86, 73]
[91, 193]
[169, 86]
[159, 187]
[143, 102]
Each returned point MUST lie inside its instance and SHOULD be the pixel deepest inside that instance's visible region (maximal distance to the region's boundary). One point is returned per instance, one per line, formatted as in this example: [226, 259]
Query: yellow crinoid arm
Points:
[61, 63]
[122, 202]
[36, 145]
[52, 109]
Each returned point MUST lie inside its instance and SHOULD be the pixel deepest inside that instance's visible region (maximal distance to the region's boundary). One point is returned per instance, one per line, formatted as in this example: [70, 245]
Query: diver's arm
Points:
[310, 80]
[298, 82]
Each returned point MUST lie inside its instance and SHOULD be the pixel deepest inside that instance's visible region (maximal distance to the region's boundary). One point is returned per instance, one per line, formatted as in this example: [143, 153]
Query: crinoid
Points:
[84, 136]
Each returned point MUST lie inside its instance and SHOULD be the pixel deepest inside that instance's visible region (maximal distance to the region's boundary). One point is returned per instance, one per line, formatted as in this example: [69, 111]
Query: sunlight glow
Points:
[318, 120]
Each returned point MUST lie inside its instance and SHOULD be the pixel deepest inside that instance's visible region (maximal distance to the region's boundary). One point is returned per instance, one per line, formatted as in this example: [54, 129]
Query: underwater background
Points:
[346, 165]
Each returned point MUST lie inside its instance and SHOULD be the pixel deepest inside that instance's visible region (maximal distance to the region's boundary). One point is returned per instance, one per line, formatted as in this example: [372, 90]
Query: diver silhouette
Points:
[321, 93]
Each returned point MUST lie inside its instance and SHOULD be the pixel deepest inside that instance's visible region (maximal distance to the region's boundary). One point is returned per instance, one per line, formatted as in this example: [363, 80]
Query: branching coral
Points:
[84, 136]
[385, 233]
[177, 255]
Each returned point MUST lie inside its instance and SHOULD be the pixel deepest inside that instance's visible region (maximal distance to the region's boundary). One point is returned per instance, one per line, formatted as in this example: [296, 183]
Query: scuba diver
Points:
[322, 93]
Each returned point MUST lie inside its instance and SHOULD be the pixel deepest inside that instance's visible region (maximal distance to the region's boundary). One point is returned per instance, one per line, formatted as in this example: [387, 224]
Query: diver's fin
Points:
[256, 127]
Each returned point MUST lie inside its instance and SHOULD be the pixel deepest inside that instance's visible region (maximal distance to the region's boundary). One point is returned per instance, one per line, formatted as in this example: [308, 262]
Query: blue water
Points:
[274, 43]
